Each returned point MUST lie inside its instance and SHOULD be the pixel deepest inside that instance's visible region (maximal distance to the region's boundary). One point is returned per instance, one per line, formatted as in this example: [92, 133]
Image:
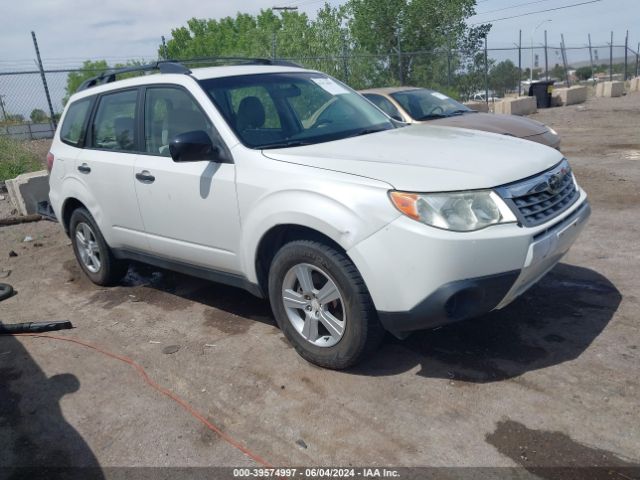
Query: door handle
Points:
[84, 168]
[145, 177]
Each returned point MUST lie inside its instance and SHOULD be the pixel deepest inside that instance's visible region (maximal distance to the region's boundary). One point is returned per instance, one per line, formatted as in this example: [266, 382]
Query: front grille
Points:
[543, 197]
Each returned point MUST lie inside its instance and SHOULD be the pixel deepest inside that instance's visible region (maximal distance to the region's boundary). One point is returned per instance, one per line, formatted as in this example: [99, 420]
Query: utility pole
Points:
[638, 60]
[546, 57]
[520, 65]
[44, 80]
[532, 34]
[274, 39]
[564, 60]
[486, 70]
[593, 72]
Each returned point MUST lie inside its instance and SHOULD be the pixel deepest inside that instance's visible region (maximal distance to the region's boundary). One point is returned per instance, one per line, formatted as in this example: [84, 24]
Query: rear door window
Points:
[114, 125]
[73, 127]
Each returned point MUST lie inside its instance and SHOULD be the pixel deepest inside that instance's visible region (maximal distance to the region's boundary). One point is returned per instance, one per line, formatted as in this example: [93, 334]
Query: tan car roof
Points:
[388, 90]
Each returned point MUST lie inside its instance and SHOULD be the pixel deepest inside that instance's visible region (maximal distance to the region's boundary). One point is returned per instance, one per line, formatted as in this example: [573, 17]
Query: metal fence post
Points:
[638, 60]
[626, 51]
[44, 80]
[520, 65]
[273, 46]
[593, 72]
[399, 58]
[4, 112]
[164, 48]
[345, 59]
[611, 59]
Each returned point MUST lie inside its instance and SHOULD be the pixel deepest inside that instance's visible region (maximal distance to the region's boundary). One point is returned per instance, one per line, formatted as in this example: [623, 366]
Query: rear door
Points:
[105, 167]
[189, 209]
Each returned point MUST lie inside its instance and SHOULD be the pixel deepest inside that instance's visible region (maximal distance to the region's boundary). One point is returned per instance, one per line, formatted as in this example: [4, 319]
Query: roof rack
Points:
[172, 66]
[164, 66]
[243, 61]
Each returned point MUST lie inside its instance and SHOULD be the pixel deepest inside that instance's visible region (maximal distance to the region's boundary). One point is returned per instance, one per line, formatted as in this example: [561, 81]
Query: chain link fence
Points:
[467, 75]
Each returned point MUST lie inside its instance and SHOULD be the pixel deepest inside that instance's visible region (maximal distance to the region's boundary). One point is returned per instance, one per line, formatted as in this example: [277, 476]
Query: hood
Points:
[426, 158]
[513, 125]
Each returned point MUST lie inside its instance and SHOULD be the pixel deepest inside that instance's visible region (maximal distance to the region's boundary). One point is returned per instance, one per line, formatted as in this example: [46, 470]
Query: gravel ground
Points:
[551, 381]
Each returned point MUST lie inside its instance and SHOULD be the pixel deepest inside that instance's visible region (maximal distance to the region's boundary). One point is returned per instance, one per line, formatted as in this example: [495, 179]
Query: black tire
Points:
[6, 291]
[111, 269]
[362, 331]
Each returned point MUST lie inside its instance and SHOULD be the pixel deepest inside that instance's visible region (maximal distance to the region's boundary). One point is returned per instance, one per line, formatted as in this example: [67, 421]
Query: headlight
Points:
[457, 211]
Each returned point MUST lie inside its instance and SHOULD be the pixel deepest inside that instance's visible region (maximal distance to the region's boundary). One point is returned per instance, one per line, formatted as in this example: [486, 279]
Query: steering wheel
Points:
[321, 123]
[434, 110]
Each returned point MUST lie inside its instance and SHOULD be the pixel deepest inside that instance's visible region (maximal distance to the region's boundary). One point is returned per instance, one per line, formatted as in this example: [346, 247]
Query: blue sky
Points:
[72, 30]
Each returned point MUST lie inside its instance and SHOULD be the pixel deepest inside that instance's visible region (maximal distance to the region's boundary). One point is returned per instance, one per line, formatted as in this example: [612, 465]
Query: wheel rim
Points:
[314, 305]
[88, 248]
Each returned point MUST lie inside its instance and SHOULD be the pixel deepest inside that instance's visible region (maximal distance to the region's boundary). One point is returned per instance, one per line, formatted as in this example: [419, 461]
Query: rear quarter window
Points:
[75, 121]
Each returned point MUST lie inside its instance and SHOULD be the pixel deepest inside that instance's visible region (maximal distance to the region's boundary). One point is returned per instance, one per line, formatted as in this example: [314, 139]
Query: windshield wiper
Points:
[432, 116]
[367, 131]
[459, 112]
[290, 143]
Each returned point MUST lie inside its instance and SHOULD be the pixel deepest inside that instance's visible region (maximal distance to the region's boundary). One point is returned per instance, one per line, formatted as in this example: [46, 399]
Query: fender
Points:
[344, 213]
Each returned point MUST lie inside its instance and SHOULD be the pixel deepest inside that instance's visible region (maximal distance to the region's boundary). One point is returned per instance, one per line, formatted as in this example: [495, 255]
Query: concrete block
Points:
[517, 106]
[610, 89]
[635, 85]
[478, 106]
[569, 96]
[26, 190]
[600, 89]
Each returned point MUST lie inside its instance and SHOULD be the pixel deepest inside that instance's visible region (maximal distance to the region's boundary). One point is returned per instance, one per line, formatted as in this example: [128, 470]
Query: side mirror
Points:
[197, 146]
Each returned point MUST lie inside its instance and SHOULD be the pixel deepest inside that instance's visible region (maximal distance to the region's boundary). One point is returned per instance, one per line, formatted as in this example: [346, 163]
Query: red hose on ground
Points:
[168, 393]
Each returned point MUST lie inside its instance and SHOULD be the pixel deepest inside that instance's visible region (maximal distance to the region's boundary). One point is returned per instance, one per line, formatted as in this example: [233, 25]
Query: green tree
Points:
[504, 77]
[370, 31]
[38, 116]
[74, 79]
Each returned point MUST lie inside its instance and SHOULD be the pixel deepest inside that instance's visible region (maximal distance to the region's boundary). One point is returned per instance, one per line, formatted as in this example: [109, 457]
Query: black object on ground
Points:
[44, 209]
[543, 91]
[6, 291]
[34, 327]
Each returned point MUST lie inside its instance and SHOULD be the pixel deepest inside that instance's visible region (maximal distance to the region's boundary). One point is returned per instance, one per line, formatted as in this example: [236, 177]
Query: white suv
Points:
[287, 183]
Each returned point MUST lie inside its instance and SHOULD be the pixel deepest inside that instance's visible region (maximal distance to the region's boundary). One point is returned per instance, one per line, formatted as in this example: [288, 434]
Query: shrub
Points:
[16, 159]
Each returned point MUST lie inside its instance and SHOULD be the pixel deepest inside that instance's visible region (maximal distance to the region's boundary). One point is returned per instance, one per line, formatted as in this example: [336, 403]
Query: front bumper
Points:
[420, 277]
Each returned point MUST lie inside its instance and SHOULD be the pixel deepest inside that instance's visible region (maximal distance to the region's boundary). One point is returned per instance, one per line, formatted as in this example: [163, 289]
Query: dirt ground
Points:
[551, 381]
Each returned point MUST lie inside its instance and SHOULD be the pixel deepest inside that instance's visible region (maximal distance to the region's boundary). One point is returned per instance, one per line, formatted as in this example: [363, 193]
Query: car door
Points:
[105, 167]
[189, 209]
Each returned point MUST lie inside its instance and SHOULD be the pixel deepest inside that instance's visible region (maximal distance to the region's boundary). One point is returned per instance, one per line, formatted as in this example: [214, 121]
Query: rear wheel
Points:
[322, 305]
[92, 252]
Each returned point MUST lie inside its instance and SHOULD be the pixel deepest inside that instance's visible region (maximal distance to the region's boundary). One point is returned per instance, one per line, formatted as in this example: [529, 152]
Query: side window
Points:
[168, 112]
[72, 130]
[114, 123]
[383, 104]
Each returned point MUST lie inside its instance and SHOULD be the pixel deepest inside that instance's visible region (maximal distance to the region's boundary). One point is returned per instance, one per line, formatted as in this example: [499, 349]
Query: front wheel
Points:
[92, 252]
[322, 305]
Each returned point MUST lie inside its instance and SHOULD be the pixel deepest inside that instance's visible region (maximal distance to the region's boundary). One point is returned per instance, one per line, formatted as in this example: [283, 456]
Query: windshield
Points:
[423, 104]
[278, 110]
